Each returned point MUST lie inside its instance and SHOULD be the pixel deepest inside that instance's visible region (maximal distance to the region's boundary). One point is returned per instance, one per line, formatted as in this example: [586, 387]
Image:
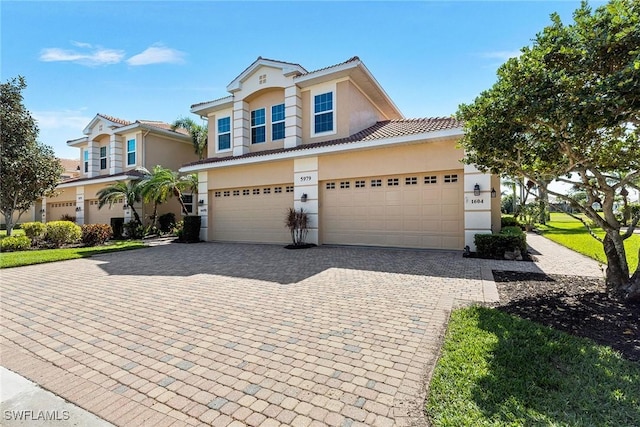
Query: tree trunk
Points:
[617, 278]
[8, 218]
[135, 215]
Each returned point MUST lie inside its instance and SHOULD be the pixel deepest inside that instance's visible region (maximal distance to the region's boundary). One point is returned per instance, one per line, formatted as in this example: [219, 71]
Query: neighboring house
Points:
[333, 143]
[34, 213]
[110, 151]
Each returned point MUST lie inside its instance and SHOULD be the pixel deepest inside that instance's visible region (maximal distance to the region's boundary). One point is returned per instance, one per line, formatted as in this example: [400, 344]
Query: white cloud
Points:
[502, 55]
[87, 55]
[157, 54]
[65, 119]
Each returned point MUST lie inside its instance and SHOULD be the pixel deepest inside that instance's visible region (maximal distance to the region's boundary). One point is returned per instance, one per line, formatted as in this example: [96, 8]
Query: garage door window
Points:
[376, 183]
[431, 179]
[345, 184]
[360, 184]
[451, 178]
[392, 182]
[411, 180]
[330, 185]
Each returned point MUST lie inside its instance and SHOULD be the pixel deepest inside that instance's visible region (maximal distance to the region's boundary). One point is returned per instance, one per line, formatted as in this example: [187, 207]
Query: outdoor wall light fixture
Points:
[493, 193]
[78, 209]
[42, 210]
[201, 202]
[125, 206]
[303, 198]
[476, 190]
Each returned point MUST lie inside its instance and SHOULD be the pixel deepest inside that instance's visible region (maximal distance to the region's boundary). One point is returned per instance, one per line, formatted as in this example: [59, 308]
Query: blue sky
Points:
[152, 60]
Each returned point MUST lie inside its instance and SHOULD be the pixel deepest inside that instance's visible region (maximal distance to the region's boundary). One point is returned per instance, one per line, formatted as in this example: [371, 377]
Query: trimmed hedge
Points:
[15, 243]
[509, 221]
[63, 232]
[96, 234]
[495, 245]
[191, 229]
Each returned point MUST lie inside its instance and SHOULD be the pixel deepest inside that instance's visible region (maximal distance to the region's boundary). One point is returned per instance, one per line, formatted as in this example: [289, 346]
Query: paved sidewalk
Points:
[231, 334]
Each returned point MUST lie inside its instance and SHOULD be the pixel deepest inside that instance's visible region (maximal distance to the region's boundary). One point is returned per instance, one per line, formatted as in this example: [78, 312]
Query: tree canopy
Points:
[29, 169]
[568, 108]
[198, 133]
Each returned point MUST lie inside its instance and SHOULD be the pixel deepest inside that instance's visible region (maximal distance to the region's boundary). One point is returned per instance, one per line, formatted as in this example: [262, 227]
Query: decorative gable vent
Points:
[262, 79]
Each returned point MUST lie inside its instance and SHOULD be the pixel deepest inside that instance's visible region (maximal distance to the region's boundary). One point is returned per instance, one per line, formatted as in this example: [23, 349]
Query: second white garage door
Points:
[251, 214]
[418, 211]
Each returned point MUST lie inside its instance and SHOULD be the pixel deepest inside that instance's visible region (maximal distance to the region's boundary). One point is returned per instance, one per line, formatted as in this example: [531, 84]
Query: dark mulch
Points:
[573, 304]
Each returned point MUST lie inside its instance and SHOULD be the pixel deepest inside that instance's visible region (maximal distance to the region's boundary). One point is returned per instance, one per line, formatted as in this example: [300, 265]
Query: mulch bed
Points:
[573, 304]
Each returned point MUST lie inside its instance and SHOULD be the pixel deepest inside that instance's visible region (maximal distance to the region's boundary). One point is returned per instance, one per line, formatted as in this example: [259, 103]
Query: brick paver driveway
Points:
[233, 334]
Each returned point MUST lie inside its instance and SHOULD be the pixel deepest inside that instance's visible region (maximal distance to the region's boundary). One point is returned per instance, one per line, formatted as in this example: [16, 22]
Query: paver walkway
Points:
[226, 334]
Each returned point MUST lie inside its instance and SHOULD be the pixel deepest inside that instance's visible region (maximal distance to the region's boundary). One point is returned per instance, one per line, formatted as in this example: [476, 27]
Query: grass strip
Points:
[498, 369]
[30, 257]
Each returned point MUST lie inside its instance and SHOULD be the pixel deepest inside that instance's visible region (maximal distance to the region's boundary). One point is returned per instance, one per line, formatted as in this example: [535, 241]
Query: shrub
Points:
[35, 230]
[191, 229]
[495, 245]
[167, 222]
[63, 232]
[117, 227]
[67, 217]
[96, 234]
[297, 223]
[512, 231]
[15, 243]
[509, 221]
[133, 230]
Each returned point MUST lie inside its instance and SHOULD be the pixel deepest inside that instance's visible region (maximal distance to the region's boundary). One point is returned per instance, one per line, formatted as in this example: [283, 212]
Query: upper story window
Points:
[85, 158]
[258, 127]
[224, 133]
[323, 112]
[103, 157]
[131, 152]
[277, 122]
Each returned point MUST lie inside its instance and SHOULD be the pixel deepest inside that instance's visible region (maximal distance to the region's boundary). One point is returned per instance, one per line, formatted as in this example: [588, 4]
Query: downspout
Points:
[143, 161]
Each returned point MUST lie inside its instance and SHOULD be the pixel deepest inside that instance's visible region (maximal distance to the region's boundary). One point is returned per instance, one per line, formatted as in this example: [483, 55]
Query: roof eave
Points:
[327, 149]
[204, 109]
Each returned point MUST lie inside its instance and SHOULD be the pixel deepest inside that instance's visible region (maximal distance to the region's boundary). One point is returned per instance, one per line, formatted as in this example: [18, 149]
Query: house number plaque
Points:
[305, 178]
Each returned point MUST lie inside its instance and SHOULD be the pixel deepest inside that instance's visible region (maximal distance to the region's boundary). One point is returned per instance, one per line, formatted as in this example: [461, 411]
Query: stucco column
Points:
[293, 116]
[115, 154]
[94, 159]
[305, 179]
[43, 212]
[477, 209]
[203, 208]
[241, 128]
[80, 214]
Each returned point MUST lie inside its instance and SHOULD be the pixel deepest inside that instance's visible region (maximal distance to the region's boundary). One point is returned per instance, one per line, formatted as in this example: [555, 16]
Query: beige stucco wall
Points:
[437, 156]
[362, 114]
[251, 175]
[167, 152]
[212, 126]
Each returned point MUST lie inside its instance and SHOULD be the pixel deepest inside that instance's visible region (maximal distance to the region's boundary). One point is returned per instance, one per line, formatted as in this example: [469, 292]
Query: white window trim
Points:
[106, 157]
[319, 90]
[226, 150]
[251, 127]
[278, 121]
[135, 151]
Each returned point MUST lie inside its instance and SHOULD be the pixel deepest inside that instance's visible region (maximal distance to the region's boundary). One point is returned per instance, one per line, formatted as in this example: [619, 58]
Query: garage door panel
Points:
[250, 215]
[415, 213]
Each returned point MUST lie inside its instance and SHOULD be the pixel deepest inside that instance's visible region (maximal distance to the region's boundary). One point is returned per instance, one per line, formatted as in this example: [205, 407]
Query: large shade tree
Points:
[568, 109]
[29, 169]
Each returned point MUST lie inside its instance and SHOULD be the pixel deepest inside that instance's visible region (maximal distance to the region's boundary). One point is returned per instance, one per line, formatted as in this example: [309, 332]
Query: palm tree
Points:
[130, 191]
[198, 134]
[162, 184]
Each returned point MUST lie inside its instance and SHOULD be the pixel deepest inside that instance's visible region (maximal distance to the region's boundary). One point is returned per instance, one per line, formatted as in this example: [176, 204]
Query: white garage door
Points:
[251, 214]
[104, 215]
[55, 211]
[418, 211]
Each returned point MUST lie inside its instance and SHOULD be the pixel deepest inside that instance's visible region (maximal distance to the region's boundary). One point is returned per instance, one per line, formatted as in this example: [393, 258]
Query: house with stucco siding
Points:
[333, 143]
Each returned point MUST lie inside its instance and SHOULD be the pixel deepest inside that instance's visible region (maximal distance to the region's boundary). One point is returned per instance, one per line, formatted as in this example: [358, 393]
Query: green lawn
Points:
[573, 234]
[501, 370]
[20, 258]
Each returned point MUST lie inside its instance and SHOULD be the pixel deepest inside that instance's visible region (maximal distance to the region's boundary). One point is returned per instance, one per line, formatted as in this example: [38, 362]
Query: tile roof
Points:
[162, 125]
[213, 100]
[352, 59]
[124, 175]
[70, 164]
[115, 119]
[381, 130]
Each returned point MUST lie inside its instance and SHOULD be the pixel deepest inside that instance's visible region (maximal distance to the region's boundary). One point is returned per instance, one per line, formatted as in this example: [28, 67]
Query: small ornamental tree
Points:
[568, 108]
[297, 223]
[29, 169]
